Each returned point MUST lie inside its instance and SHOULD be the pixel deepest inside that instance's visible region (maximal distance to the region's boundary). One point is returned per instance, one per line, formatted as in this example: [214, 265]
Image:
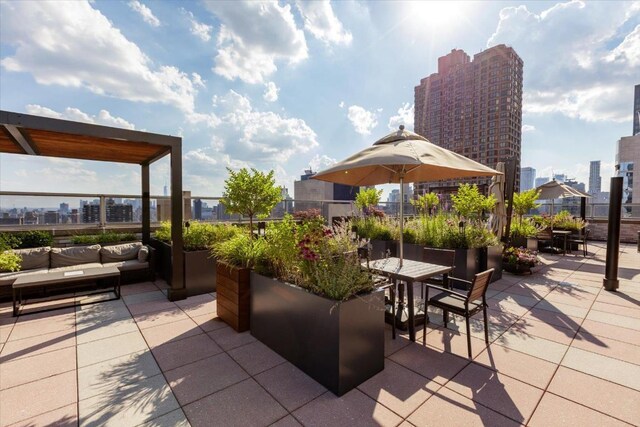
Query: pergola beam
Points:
[22, 140]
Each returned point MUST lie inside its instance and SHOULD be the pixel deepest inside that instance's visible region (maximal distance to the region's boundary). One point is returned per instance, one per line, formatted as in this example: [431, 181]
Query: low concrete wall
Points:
[628, 230]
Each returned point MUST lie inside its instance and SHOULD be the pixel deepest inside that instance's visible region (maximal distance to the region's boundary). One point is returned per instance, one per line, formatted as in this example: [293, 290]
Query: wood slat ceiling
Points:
[57, 144]
[7, 145]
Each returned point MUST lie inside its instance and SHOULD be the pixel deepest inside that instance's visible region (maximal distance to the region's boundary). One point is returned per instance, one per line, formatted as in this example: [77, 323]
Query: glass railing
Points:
[73, 210]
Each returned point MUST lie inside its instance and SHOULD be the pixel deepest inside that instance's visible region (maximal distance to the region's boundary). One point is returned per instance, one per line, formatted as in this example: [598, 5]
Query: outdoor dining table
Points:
[565, 235]
[410, 272]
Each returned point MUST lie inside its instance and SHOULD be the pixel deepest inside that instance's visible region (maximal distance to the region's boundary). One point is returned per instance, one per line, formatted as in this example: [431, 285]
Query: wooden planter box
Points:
[233, 292]
[199, 268]
[338, 344]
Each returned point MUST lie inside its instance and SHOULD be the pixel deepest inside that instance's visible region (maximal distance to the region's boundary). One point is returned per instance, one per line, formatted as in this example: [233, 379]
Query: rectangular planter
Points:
[379, 248]
[338, 344]
[232, 299]
[199, 268]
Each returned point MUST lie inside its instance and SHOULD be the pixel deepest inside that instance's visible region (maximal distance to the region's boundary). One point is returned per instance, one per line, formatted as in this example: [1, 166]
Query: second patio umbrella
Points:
[400, 157]
[556, 190]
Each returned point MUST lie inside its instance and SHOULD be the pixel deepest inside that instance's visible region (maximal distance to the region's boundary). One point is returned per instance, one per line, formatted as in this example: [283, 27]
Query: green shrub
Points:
[524, 229]
[241, 251]
[9, 261]
[108, 237]
[26, 239]
[443, 231]
[525, 201]
[163, 233]
[469, 203]
[426, 204]
[199, 235]
[375, 228]
[563, 220]
[367, 198]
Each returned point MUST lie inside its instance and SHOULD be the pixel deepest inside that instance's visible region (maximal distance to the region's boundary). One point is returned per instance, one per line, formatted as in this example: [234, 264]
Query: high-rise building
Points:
[595, 181]
[90, 213]
[473, 108]
[118, 212]
[527, 178]
[636, 111]
[197, 209]
[627, 163]
[51, 217]
[560, 177]
[542, 180]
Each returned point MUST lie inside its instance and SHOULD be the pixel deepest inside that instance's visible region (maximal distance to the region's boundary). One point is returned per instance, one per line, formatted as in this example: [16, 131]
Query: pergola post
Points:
[177, 290]
[146, 205]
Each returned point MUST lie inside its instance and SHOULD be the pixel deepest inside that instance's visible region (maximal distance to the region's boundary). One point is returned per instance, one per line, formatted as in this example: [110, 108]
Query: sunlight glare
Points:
[436, 14]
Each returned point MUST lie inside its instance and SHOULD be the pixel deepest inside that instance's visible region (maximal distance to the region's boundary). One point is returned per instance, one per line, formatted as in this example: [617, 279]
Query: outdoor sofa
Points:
[134, 260]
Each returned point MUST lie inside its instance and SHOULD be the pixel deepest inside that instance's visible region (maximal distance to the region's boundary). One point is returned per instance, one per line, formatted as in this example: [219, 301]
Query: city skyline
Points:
[317, 81]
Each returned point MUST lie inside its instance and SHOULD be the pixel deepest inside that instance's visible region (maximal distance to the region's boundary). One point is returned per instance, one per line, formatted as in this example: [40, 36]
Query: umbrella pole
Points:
[401, 251]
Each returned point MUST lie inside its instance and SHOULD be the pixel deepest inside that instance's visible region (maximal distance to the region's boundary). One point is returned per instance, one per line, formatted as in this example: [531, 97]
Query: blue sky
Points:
[286, 85]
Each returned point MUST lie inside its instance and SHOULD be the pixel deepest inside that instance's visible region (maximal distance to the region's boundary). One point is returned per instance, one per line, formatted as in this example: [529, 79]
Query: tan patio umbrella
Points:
[557, 190]
[499, 215]
[402, 156]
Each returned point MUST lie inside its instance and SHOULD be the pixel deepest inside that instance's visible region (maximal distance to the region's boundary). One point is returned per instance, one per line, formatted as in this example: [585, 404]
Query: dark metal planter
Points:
[232, 301]
[199, 272]
[379, 248]
[163, 258]
[340, 345]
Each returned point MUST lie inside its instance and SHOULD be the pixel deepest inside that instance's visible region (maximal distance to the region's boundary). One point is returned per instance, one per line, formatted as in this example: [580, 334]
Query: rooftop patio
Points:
[563, 352]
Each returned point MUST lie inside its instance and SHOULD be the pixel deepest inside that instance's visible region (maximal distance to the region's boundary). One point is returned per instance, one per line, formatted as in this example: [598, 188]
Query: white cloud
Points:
[363, 121]
[74, 114]
[320, 162]
[322, 23]
[198, 80]
[253, 36]
[198, 29]
[271, 92]
[341, 105]
[528, 128]
[145, 12]
[404, 117]
[579, 60]
[77, 46]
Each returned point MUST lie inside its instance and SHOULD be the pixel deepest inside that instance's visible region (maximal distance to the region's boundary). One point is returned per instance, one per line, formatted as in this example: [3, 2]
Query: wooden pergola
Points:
[43, 136]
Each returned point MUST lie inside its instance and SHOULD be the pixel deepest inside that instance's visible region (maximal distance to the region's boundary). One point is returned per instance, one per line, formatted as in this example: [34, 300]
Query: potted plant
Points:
[519, 260]
[249, 193]
[313, 304]
[524, 231]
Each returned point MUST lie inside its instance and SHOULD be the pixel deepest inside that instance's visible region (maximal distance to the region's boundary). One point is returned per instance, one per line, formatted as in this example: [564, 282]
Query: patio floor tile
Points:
[87, 333]
[566, 309]
[620, 298]
[256, 357]
[454, 342]
[30, 329]
[353, 408]
[34, 368]
[604, 396]
[37, 345]
[538, 372]
[614, 319]
[142, 297]
[95, 314]
[617, 309]
[129, 405]
[608, 347]
[530, 344]
[290, 386]
[617, 371]
[151, 306]
[138, 288]
[35, 398]
[168, 332]
[229, 339]
[199, 379]
[428, 362]
[399, 389]
[244, 404]
[287, 421]
[577, 299]
[553, 318]
[600, 329]
[209, 322]
[110, 348]
[173, 354]
[4, 333]
[197, 300]
[544, 330]
[104, 377]
[172, 419]
[503, 394]
[556, 411]
[448, 408]
[156, 318]
[67, 416]
[392, 345]
[506, 307]
[518, 299]
[51, 316]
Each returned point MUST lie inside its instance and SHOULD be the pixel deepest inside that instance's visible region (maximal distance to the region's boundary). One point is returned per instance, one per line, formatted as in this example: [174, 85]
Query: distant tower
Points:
[636, 111]
[165, 191]
[527, 178]
[595, 181]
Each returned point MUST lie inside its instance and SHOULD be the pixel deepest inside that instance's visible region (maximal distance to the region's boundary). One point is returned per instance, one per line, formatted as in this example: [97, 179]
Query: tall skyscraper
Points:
[595, 181]
[636, 111]
[527, 178]
[542, 180]
[473, 108]
[197, 209]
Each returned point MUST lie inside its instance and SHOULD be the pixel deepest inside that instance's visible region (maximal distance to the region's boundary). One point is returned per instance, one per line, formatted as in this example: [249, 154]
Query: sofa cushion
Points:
[63, 257]
[143, 254]
[76, 267]
[7, 279]
[129, 265]
[34, 258]
[123, 252]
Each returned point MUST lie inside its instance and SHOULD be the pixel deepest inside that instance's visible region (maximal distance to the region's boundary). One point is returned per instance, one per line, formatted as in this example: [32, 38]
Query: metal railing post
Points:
[103, 211]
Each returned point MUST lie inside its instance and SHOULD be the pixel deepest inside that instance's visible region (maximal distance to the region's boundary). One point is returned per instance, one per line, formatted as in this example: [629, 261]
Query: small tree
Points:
[250, 193]
[525, 201]
[469, 203]
[367, 198]
[426, 203]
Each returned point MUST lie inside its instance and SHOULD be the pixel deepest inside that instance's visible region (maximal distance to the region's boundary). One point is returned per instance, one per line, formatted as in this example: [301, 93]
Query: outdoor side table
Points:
[565, 235]
[410, 272]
